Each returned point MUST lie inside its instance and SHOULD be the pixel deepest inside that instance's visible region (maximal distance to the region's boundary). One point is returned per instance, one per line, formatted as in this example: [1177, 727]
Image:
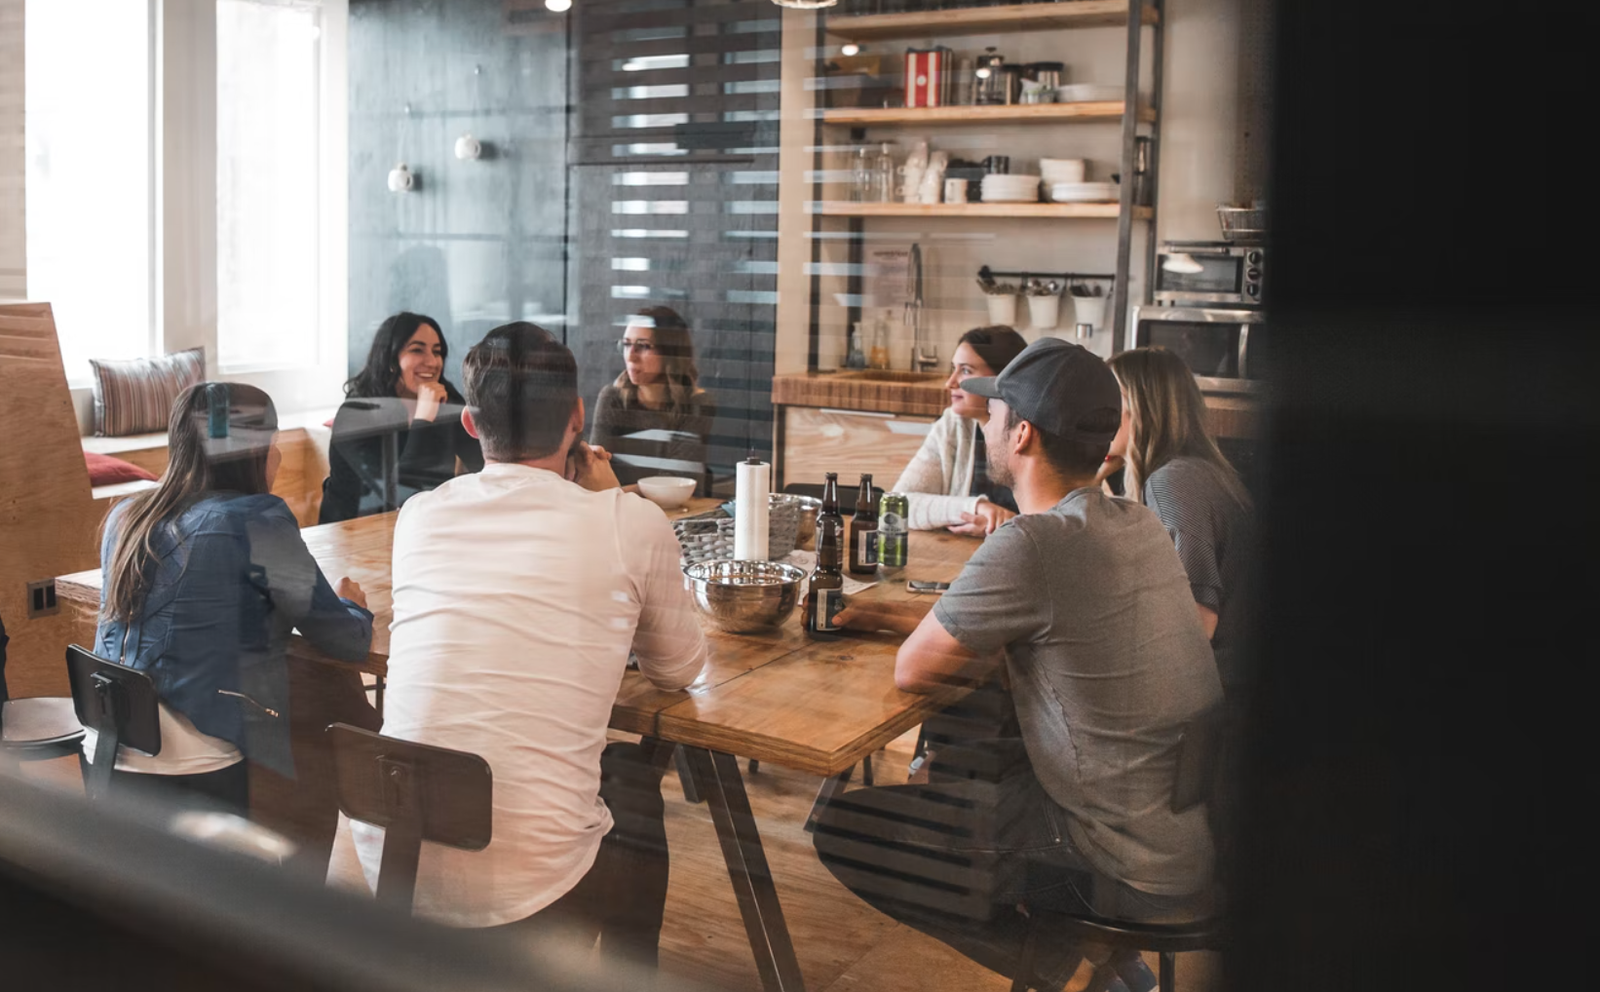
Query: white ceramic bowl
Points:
[1088, 93]
[1062, 170]
[666, 491]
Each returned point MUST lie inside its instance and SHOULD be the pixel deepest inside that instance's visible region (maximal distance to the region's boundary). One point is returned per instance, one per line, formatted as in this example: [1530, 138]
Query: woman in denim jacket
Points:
[205, 577]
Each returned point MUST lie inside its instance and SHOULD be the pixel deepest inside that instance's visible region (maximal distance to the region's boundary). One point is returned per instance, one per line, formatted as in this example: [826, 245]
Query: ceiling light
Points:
[558, 5]
[805, 4]
[849, 48]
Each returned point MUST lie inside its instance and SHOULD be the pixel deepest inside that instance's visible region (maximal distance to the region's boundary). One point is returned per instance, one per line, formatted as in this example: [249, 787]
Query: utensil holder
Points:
[1044, 311]
[1002, 309]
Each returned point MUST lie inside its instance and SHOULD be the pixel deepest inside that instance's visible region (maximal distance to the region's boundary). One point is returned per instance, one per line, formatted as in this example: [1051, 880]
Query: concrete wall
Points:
[477, 243]
[13, 215]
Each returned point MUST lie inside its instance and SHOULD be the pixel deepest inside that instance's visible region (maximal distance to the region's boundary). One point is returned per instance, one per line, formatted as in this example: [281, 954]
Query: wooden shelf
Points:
[1059, 211]
[1018, 113]
[987, 20]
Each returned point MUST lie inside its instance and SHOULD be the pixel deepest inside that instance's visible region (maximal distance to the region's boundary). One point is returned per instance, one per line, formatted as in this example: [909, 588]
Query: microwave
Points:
[1209, 273]
[1223, 348]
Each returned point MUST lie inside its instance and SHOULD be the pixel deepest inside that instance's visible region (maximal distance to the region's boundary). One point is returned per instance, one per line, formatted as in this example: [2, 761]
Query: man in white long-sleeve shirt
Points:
[518, 594]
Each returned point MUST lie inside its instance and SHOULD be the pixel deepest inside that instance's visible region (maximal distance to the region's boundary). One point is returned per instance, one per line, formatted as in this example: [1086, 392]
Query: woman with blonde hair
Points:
[1174, 467]
[655, 419]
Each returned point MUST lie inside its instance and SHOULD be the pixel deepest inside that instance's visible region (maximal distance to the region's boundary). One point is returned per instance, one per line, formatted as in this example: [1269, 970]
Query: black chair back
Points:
[119, 704]
[415, 792]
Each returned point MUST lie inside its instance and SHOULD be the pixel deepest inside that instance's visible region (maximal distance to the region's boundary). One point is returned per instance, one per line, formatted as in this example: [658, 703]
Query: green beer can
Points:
[892, 532]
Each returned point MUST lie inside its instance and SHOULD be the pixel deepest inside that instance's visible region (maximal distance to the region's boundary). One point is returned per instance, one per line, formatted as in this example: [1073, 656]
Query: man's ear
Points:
[470, 424]
[575, 422]
[1022, 436]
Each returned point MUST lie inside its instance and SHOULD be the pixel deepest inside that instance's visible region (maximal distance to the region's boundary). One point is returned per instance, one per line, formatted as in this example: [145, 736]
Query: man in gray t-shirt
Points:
[1082, 604]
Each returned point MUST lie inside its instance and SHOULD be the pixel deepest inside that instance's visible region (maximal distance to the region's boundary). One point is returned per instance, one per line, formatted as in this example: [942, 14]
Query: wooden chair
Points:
[48, 519]
[416, 793]
[1199, 757]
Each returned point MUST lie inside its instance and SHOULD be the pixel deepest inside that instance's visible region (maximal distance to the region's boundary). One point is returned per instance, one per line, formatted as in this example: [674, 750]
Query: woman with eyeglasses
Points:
[655, 418]
[399, 430]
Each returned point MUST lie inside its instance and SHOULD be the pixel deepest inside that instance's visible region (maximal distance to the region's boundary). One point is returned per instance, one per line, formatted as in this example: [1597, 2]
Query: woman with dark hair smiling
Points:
[655, 418]
[399, 431]
[947, 483]
[206, 576]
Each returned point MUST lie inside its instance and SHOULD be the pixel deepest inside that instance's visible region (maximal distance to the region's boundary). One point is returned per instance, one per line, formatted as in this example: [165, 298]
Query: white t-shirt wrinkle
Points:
[517, 597]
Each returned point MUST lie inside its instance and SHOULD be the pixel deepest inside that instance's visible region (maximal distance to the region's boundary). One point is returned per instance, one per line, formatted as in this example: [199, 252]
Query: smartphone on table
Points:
[917, 585]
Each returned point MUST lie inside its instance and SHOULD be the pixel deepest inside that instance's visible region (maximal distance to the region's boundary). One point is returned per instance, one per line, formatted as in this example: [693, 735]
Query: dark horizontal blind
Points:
[675, 198]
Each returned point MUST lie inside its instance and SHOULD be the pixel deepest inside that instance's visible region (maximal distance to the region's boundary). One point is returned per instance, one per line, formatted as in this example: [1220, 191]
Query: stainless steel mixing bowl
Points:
[744, 596]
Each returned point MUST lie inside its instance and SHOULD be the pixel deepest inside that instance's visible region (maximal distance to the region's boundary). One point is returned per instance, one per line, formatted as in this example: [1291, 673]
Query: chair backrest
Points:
[415, 792]
[1199, 757]
[383, 780]
[109, 696]
[48, 527]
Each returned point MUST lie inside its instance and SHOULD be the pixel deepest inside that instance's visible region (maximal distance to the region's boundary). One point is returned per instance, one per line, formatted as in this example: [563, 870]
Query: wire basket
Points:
[1243, 223]
[710, 535]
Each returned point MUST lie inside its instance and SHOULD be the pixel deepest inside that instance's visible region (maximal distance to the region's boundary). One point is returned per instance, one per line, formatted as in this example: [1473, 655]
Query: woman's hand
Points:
[348, 588]
[430, 396]
[983, 520]
[589, 466]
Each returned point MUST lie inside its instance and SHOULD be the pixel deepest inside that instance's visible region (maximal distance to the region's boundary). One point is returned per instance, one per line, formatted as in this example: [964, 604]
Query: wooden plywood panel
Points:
[816, 441]
[47, 516]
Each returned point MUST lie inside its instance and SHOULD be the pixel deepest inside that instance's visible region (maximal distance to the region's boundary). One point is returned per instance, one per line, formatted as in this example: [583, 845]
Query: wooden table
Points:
[815, 706]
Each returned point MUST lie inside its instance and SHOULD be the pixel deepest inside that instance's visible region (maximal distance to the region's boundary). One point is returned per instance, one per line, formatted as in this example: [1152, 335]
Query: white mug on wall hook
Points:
[468, 148]
[400, 179]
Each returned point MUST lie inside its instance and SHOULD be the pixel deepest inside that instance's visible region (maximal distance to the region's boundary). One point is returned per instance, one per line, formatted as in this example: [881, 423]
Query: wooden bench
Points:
[302, 443]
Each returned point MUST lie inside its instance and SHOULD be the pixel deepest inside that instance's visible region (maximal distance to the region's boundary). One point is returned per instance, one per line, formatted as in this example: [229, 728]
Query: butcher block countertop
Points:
[919, 394]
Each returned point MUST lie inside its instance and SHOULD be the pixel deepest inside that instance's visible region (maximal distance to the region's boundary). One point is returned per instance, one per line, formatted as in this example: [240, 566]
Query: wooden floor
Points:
[843, 945]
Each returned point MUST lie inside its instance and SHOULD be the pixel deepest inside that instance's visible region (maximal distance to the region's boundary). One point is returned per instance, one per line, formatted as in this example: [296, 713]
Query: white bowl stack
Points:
[1001, 188]
[1062, 170]
[1083, 193]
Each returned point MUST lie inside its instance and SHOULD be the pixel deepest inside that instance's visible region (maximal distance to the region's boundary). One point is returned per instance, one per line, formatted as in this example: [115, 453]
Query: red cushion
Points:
[107, 471]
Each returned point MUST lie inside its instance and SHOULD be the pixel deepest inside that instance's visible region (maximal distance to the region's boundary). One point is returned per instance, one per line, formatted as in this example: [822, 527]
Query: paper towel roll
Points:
[750, 510]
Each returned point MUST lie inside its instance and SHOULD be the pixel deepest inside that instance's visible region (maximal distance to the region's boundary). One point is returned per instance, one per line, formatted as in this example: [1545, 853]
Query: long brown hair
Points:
[197, 464]
[1169, 419]
[669, 336]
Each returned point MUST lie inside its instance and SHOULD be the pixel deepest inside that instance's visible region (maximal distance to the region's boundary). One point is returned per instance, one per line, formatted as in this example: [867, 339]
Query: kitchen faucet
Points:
[922, 359]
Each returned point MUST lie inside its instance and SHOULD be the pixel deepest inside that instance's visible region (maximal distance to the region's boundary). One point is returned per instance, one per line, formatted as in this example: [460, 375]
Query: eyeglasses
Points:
[642, 347]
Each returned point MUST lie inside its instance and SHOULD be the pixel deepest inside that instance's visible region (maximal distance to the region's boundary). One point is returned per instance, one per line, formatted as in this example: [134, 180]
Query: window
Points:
[267, 183]
[89, 174]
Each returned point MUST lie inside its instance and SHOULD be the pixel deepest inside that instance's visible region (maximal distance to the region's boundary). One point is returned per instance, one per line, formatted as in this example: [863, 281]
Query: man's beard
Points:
[999, 471]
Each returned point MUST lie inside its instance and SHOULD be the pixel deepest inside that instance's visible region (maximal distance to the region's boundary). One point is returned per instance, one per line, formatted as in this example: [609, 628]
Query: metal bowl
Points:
[809, 508]
[744, 596]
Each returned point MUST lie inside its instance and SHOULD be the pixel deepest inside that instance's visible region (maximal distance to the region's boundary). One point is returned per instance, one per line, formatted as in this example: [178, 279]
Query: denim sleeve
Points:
[334, 626]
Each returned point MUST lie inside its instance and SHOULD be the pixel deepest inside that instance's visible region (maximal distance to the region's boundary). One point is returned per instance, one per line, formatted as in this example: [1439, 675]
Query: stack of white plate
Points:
[999, 188]
[1082, 192]
[1089, 93]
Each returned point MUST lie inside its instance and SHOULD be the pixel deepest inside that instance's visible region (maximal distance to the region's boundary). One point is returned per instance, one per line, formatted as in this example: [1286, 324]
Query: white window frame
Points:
[184, 141]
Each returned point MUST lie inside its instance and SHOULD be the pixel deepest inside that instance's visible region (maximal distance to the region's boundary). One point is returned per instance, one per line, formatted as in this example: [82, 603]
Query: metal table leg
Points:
[830, 787]
[717, 779]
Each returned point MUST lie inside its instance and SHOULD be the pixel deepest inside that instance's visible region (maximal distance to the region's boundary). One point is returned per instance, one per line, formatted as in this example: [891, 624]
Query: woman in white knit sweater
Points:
[947, 483]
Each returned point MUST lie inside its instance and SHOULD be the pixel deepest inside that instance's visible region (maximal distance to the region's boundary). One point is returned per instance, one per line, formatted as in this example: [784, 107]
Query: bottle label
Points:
[866, 549]
[829, 603]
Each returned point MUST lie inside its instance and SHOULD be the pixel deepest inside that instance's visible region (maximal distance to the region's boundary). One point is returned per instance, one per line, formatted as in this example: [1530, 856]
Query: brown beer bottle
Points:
[827, 583]
[864, 531]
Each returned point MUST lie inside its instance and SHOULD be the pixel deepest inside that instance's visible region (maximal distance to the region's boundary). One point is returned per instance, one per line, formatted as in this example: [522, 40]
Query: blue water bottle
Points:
[217, 409]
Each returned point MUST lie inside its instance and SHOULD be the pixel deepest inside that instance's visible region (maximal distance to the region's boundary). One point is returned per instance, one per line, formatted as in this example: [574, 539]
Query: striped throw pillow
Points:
[135, 397]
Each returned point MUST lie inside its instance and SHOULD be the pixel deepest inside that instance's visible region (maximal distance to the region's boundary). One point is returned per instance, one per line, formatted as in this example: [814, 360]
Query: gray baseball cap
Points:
[1056, 386]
